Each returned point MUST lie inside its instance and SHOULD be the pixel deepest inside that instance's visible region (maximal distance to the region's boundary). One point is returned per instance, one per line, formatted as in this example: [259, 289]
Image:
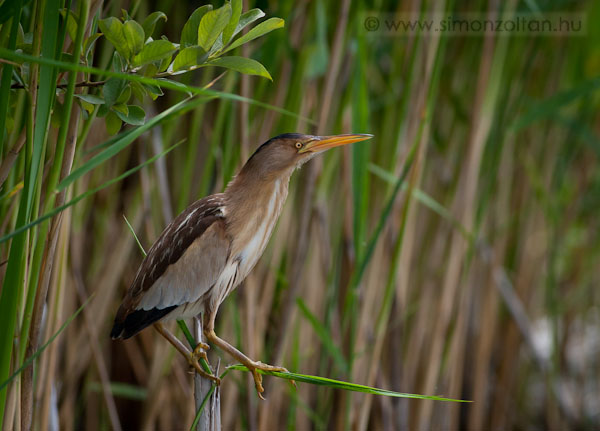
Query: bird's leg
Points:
[253, 366]
[193, 360]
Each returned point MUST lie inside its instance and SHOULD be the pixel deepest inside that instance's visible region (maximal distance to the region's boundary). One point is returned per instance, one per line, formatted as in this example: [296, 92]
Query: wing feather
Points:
[181, 266]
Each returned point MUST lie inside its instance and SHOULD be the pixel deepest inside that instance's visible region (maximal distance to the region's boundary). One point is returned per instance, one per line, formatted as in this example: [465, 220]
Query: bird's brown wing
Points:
[182, 265]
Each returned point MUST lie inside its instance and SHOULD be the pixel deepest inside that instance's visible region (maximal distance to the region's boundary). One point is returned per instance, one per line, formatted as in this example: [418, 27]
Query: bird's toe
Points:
[258, 383]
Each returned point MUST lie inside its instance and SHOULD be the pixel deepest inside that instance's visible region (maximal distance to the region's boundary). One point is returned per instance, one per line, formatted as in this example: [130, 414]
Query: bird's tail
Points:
[137, 320]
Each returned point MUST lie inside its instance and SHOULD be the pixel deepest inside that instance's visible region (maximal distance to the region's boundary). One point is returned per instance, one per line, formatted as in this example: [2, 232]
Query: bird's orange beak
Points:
[322, 143]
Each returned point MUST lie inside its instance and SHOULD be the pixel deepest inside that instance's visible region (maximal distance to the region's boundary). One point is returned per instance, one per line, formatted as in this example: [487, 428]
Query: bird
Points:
[210, 248]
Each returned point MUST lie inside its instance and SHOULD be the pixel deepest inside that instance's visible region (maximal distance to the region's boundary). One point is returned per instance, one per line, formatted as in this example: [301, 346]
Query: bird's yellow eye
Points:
[298, 145]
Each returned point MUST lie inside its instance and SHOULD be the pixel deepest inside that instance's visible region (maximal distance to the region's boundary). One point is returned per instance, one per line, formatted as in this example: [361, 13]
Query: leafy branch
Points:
[206, 36]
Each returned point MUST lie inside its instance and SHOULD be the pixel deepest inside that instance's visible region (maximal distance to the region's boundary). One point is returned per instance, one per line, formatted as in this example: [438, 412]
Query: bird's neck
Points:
[253, 205]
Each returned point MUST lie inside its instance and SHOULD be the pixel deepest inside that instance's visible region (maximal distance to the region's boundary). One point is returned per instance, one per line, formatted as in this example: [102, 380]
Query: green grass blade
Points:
[13, 279]
[12, 288]
[360, 151]
[45, 96]
[135, 236]
[192, 342]
[122, 390]
[127, 138]
[423, 198]
[347, 386]
[39, 351]
[187, 333]
[163, 83]
[550, 106]
[83, 196]
[324, 336]
[370, 249]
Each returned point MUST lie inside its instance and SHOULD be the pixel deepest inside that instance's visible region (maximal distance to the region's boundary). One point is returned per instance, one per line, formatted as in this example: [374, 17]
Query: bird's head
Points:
[286, 152]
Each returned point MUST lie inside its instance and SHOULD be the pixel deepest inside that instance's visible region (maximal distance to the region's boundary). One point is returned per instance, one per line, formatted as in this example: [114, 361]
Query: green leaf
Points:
[189, 34]
[71, 23]
[154, 51]
[57, 114]
[138, 91]
[192, 56]
[135, 115]
[212, 25]
[248, 18]
[153, 89]
[163, 83]
[236, 12]
[112, 89]
[225, 37]
[113, 123]
[89, 108]
[338, 384]
[125, 94]
[241, 64]
[89, 44]
[150, 70]
[120, 108]
[102, 111]
[150, 22]
[112, 28]
[165, 63]
[119, 64]
[91, 98]
[125, 15]
[261, 29]
[134, 38]
[181, 86]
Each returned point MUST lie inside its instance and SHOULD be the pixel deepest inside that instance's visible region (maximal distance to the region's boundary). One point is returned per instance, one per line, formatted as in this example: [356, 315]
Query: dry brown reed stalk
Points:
[489, 299]
[10, 158]
[46, 273]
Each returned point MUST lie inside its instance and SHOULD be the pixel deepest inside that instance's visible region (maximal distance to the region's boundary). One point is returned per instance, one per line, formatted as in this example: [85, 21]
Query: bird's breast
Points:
[259, 226]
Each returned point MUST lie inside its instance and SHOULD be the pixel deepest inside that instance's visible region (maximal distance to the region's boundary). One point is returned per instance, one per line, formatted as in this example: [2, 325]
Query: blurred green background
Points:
[454, 254]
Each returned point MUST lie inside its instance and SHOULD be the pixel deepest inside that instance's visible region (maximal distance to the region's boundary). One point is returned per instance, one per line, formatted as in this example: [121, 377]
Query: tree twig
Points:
[63, 86]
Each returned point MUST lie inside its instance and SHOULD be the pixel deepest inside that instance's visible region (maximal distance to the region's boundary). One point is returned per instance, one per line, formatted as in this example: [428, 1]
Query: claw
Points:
[201, 345]
[254, 367]
[199, 351]
[196, 366]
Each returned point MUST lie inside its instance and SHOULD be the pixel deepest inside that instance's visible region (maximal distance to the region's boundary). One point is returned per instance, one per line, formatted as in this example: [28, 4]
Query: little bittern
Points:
[211, 247]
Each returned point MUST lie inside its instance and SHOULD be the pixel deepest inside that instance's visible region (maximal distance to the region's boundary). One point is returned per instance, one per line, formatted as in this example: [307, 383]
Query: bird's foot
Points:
[254, 367]
[193, 360]
[200, 351]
